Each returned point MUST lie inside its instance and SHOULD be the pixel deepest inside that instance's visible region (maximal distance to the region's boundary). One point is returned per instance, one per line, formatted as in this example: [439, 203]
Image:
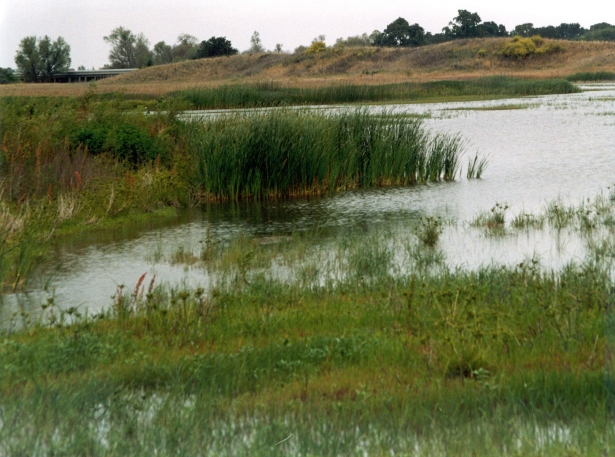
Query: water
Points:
[546, 148]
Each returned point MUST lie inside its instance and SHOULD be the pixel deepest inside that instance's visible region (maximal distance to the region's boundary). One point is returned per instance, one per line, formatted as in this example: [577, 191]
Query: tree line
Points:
[37, 59]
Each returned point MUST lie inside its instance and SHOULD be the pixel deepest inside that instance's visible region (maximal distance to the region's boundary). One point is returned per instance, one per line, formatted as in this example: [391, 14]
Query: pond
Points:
[540, 150]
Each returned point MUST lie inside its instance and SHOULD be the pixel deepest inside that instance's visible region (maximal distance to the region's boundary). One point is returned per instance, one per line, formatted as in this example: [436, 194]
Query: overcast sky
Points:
[84, 23]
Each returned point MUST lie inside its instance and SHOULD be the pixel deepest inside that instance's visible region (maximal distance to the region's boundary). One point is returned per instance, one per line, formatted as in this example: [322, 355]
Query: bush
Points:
[316, 47]
[521, 48]
[124, 141]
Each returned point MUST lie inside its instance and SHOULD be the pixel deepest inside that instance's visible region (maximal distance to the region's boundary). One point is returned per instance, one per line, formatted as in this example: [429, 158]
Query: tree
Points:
[278, 48]
[39, 59]
[487, 29]
[401, 33]
[128, 50]
[255, 43]
[465, 25]
[7, 76]
[54, 56]
[214, 47]
[600, 32]
[525, 30]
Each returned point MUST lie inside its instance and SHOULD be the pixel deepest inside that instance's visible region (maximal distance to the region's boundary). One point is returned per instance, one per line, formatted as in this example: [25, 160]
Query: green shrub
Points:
[124, 141]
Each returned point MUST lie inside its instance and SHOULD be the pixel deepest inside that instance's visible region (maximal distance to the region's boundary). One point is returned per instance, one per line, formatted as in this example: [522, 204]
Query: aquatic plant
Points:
[289, 153]
[476, 166]
[429, 230]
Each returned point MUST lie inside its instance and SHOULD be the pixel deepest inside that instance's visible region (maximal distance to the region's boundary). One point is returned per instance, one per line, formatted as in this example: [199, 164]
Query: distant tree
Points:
[163, 53]
[81, 68]
[524, 30]
[256, 44]
[7, 76]
[39, 59]
[214, 47]
[128, 50]
[490, 29]
[278, 48]
[570, 31]
[600, 32]
[401, 33]
[355, 41]
[465, 25]
[547, 32]
[186, 47]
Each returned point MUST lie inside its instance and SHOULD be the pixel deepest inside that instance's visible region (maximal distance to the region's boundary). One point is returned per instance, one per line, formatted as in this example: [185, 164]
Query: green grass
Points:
[463, 363]
[271, 94]
[589, 76]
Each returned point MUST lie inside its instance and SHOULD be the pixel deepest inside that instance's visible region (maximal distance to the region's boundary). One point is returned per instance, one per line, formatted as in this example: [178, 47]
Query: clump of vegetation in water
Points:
[287, 153]
[429, 230]
[476, 167]
[494, 221]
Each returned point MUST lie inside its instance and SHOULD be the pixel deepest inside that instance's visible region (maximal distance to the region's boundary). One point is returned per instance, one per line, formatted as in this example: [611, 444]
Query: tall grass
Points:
[286, 153]
[592, 76]
[273, 94]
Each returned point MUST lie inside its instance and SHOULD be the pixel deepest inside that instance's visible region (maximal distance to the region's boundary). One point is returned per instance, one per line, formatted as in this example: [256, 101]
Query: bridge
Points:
[78, 76]
[83, 76]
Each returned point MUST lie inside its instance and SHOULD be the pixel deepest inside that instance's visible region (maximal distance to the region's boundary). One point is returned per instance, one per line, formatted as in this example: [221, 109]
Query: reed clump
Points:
[286, 153]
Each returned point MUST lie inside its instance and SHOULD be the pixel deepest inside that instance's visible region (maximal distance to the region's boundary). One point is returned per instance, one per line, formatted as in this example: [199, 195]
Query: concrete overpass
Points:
[78, 76]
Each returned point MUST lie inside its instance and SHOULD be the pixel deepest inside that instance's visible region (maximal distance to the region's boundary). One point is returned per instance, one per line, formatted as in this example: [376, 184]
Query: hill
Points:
[453, 60]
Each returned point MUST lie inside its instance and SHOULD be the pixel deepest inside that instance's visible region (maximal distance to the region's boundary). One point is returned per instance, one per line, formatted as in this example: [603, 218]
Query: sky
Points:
[84, 23]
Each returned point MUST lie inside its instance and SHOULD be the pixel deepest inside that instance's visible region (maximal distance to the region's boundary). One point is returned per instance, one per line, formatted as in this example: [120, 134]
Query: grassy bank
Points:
[271, 94]
[501, 361]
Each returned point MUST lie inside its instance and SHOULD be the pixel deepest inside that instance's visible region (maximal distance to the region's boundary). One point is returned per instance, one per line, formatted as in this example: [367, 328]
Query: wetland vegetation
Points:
[351, 345]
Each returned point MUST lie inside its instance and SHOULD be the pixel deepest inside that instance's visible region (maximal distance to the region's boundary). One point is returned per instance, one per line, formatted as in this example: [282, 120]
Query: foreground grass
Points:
[502, 361]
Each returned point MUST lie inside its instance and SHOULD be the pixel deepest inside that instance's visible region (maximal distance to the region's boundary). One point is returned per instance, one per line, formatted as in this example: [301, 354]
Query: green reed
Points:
[287, 153]
[273, 94]
[592, 76]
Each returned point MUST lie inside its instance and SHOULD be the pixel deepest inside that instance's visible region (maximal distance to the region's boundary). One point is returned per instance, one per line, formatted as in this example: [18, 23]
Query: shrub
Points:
[316, 47]
[125, 141]
[521, 48]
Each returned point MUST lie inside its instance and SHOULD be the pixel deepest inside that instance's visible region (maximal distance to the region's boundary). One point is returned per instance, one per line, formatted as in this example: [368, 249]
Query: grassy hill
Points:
[460, 59]
[453, 60]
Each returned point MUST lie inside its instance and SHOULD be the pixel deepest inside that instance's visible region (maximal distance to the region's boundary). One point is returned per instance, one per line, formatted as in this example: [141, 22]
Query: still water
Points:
[540, 149]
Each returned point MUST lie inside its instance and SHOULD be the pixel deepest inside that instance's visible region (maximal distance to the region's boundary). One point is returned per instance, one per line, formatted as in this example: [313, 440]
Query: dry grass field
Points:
[462, 59]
